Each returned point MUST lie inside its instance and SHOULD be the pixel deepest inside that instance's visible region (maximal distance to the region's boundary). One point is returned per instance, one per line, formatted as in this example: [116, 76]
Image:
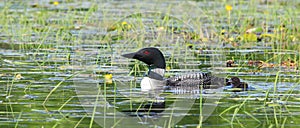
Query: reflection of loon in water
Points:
[188, 83]
[147, 108]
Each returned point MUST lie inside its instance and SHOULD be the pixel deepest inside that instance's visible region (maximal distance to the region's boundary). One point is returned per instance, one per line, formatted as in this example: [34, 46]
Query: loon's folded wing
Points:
[196, 79]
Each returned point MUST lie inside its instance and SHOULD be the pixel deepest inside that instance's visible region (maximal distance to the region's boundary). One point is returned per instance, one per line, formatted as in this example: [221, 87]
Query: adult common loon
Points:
[154, 80]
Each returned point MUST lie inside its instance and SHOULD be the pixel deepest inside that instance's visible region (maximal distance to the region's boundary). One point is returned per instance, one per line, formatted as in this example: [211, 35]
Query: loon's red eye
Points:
[146, 52]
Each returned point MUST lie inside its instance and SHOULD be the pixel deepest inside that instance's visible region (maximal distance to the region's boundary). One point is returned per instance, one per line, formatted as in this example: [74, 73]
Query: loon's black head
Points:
[150, 56]
[235, 80]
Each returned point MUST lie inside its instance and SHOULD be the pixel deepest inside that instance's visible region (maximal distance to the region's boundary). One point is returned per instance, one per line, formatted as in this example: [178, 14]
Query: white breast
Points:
[148, 84]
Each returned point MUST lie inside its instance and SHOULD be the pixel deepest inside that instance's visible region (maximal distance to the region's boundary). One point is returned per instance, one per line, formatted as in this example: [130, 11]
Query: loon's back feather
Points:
[188, 79]
[196, 79]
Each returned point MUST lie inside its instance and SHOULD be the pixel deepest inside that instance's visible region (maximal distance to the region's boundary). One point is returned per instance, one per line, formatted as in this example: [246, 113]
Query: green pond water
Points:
[56, 59]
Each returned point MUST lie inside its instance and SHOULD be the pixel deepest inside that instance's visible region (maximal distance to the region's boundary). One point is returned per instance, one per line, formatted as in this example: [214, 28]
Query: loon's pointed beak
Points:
[129, 55]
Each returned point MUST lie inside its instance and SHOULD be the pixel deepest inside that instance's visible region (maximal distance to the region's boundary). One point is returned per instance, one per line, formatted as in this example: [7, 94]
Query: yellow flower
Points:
[18, 77]
[292, 37]
[250, 37]
[168, 68]
[223, 32]
[228, 7]
[124, 23]
[55, 2]
[108, 78]
[160, 28]
[204, 39]
[231, 39]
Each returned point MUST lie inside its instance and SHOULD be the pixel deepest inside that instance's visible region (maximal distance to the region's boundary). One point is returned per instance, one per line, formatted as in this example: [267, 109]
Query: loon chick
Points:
[155, 60]
[236, 83]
